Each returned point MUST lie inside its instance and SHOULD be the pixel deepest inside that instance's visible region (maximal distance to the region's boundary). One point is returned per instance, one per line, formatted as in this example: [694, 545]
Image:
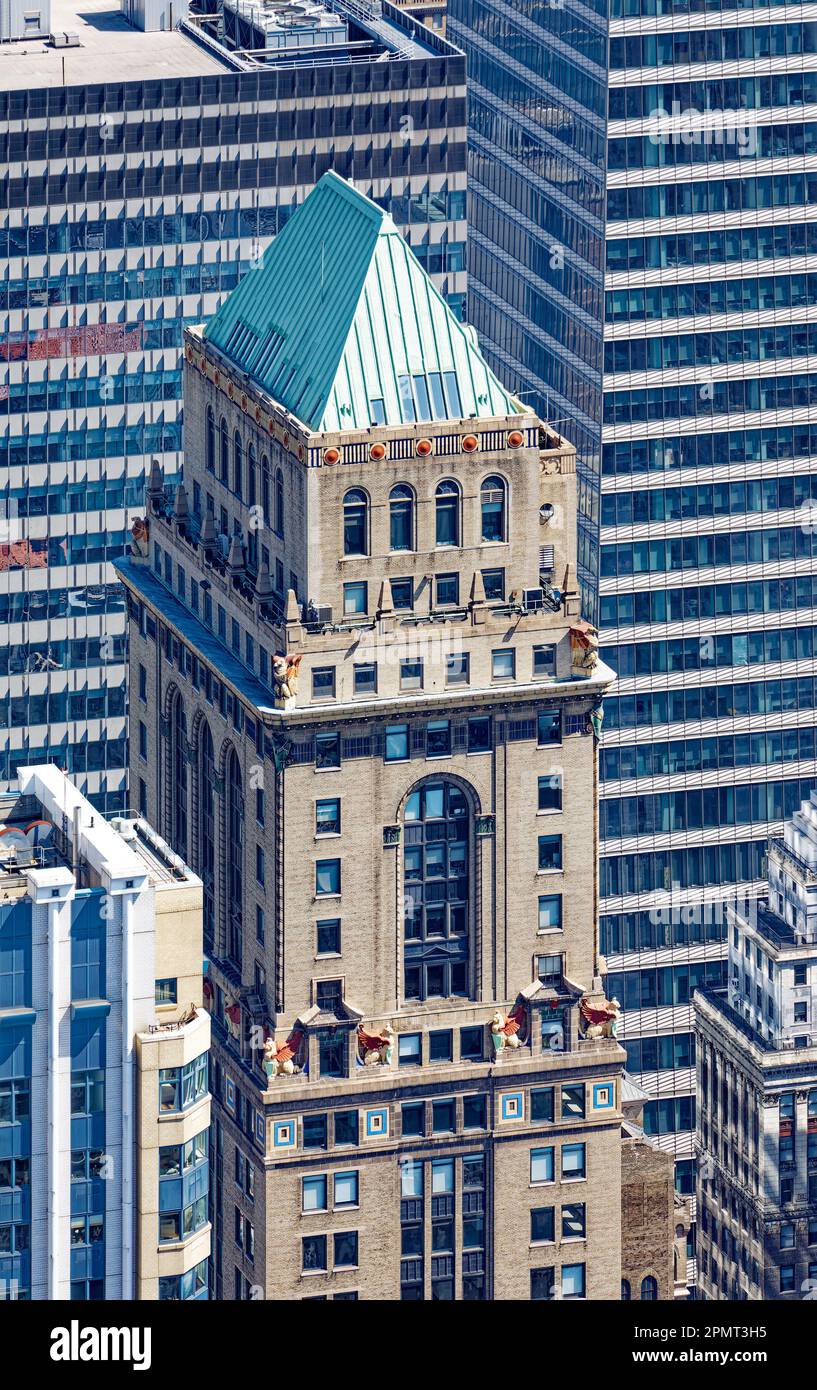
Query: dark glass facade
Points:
[537, 103]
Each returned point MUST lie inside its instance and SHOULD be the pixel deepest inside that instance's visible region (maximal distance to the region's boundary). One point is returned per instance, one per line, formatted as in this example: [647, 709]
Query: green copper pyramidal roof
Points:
[340, 324]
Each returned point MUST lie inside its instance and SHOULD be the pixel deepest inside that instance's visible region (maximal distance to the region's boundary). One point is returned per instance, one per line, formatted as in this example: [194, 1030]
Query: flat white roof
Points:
[111, 50]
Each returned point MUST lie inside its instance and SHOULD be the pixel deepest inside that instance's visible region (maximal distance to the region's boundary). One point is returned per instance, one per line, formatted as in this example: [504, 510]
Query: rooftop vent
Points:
[66, 39]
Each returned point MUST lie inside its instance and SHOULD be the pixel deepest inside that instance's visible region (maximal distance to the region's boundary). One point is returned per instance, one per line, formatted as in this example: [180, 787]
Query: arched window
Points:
[649, 1289]
[207, 832]
[210, 445]
[355, 523]
[238, 465]
[401, 517]
[279, 502]
[436, 891]
[179, 789]
[625, 1291]
[252, 480]
[447, 506]
[492, 502]
[235, 858]
[265, 490]
[252, 502]
[224, 450]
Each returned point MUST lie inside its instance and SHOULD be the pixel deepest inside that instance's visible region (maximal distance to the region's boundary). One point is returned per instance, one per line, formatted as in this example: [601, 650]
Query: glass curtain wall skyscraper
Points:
[708, 535]
[537, 96]
[141, 175]
[709, 493]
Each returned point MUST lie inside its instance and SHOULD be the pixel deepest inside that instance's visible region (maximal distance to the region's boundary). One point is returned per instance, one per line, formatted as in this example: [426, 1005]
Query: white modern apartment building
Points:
[104, 1046]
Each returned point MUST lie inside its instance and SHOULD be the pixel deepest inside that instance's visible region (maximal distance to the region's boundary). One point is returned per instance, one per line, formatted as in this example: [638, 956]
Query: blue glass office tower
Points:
[141, 173]
[537, 98]
[709, 496]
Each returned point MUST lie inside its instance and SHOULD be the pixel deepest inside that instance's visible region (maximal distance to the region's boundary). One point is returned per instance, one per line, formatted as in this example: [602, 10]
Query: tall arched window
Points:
[492, 503]
[252, 501]
[224, 450]
[235, 858]
[238, 465]
[252, 480]
[265, 491]
[649, 1289]
[401, 517]
[210, 444]
[179, 790]
[447, 508]
[207, 832]
[625, 1291]
[436, 891]
[279, 502]
[355, 523]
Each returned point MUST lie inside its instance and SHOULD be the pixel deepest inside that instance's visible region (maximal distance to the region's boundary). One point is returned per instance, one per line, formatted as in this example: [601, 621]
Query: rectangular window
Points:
[167, 991]
[329, 995]
[550, 912]
[259, 924]
[327, 750]
[474, 1112]
[331, 1052]
[549, 727]
[457, 669]
[494, 584]
[549, 969]
[409, 1049]
[355, 599]
[542, 1225]
[313, 1256]
[411, 675]
[313, 1193]
[544, 662]
[259, 865]
[345, 1243]
[413, 1119]
[542, 1165]
[542, 1284]
[503, 664]
[143, 685]
[346, 1189]
[541, 1104]
[442, 1176]
[143, 741]
[573, 1161]
[441, 1046]
[323, 683]
[327, 816]
[365, 678]
[550, 852]
[314, 1131]
[479, 733]
[438, 738]
[573, 1102]
[573, 1281]
[550, 792]
[443, 1117]
[471, 1044]
[397, 748]
[327, 878]
[346, 1127]
[402, 594]
[328, 938]
[448, 590]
